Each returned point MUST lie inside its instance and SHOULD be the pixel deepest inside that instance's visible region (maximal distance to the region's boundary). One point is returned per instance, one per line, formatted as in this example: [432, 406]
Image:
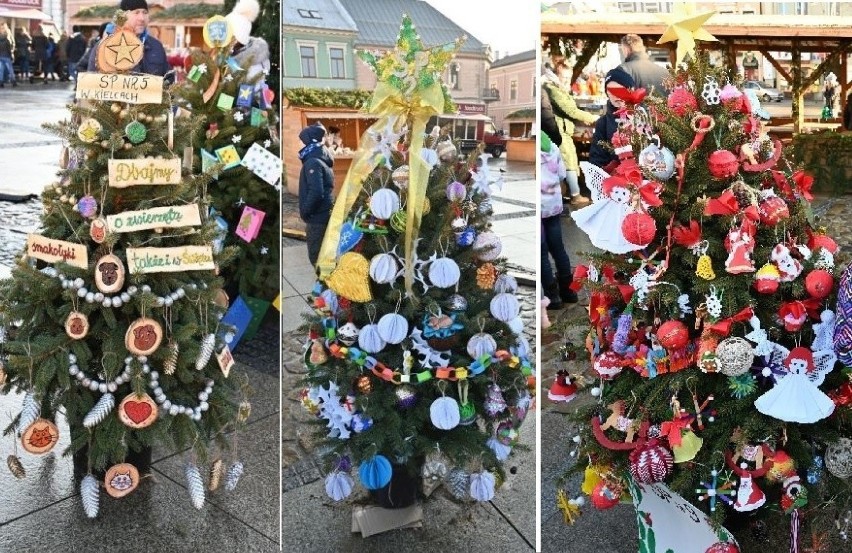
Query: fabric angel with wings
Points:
[796, 396]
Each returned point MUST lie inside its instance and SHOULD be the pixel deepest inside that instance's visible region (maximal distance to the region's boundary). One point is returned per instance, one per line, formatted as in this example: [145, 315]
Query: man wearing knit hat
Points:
[607, 125]
[154, 55]
[316, 183]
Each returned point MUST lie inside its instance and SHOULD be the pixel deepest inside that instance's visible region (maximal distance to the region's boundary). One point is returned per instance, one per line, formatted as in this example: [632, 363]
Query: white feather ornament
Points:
[505, 307]
[370, 339]
[393, 328]
[235, 471]
[383, 203]
[100, 411]
[444, 272]
[384, 268]
[195, 486]
[90, 495]
[482, 486]
[338, 485]
[205, 352]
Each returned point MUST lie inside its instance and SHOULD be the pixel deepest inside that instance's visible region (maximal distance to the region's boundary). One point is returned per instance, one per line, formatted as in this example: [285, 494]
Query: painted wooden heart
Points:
[137, 411]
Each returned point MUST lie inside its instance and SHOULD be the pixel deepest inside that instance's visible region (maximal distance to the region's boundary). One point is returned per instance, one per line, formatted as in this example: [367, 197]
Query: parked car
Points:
[764, 94]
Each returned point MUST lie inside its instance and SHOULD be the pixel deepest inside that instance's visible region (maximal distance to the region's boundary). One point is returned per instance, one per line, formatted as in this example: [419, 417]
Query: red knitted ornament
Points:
[605, 497]
[639, 228]
[673, 335]
[773, 210]
[681, 101]
[819, 283]
[608, 365]
[723, 548]
[822, 241]
[651, 462]
[723, 164]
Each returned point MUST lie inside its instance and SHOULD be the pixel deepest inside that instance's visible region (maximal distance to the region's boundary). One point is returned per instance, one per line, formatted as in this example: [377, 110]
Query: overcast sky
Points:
[506, 25]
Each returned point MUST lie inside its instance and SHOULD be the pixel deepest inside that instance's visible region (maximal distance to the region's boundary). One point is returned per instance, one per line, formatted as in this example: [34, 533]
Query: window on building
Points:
[513, 90]
[455, 70]
[309, 14]
[308, 55]
[338, 66]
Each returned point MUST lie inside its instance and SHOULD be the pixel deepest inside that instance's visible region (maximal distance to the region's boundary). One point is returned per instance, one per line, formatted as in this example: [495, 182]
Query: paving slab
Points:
[516, 499]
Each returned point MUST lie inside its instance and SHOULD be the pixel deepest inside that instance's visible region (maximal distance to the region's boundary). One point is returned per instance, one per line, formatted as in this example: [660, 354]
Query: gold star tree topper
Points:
[410, 67]
[685, 27]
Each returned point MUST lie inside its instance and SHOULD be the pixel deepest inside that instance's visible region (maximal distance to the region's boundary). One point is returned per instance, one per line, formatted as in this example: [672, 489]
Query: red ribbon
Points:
[673, 429]
[723, 327]
[727, 205]
[629, 95]
[581, 273]
[804, 182]
[687, 237]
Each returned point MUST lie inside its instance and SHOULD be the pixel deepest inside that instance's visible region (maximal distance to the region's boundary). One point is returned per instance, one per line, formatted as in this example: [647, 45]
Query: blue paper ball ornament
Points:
[466, 237]
[349, 237]
[375, 473]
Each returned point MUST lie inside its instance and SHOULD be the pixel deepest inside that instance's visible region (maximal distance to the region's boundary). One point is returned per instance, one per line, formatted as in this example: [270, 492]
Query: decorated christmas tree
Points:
[239, 134]
[110, 316]
[711, 325]
[417, 369]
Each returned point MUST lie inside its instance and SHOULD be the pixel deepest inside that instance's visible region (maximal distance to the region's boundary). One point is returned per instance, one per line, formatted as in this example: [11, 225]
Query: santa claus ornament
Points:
[749, 496]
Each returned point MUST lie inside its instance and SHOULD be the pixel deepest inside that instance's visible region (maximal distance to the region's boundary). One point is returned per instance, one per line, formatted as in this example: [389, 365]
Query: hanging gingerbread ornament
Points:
[143, 337]
[109, 274]
[121, 479]
[77, 325]
[137, 411]
[40, 436]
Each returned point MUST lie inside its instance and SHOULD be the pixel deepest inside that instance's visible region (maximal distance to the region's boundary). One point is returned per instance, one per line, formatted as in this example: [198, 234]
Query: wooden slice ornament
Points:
[89, 130]
[109, 274]
[120, 51]
[143, 337]
[98, 230]
[40, 436]
[137, 411]
[77, 325]
[121, 479]
[221, 299]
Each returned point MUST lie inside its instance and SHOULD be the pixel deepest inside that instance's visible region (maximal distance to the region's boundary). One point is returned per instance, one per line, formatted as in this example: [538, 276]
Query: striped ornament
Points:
[650, 462]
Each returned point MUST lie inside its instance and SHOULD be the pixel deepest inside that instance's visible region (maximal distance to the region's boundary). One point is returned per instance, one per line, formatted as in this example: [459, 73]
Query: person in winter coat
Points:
[565, 111]
[606, 126]
[7, 52]
[847, 113]
[61, 57]
[40, 45]
[316, 183]
[644, 72]
[250, 52]
[74, 51]
[22, 51]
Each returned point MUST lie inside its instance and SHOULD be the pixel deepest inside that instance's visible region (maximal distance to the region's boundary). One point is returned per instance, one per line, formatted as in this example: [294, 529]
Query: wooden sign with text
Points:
[147, 170]
[170, 260]
[131, 89]
[52, 250]
[156, 217]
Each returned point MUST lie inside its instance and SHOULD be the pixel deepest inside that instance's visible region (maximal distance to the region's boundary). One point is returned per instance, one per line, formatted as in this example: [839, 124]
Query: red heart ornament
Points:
[137, 411]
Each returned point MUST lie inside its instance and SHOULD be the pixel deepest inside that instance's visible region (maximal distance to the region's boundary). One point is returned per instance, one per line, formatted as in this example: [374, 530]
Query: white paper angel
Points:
[795, 396]
[602, 219]
[482, 182]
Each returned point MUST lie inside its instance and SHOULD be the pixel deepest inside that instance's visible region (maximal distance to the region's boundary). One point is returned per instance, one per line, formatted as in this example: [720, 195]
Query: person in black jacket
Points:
[607, 125]
[847, 113]
[154, 55]
[316, 183]
[645, 73]
[75, 49]
[7, 54]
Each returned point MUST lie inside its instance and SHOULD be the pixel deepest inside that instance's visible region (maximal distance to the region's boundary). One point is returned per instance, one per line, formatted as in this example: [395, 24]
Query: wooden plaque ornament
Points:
[143, 337]
[77, 325]
[98, 230]
[120, 51]
[121, 479]
[109, 274]
[137, 411]
[40, 436]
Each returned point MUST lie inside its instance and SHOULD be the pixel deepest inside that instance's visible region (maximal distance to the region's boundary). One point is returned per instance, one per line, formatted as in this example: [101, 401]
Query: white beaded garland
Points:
[175, 409]
[119, 299]
[97, 385]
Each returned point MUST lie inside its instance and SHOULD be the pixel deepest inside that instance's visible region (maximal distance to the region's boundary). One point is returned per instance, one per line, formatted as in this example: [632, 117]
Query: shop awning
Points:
[24, 13]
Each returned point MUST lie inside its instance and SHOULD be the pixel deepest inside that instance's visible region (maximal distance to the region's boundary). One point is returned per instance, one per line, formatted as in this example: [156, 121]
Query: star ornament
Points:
[123, 50]
[685, 27]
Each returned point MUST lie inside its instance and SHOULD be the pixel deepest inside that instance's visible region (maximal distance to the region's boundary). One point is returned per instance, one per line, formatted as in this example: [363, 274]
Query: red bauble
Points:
[673, 335]
[819, 283]
[604, 497]
[773, 210]
[766, 285]
[651, 462]
[723, 164]
[822, 241]
[608, 365]
[681, 101]
[723, 548]
[639, 228]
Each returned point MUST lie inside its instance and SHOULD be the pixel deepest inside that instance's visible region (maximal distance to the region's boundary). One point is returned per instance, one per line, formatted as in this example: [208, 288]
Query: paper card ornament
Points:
[225, 360]
[228, 155]
[77, 325]
[258, 117]
[121, 479]
[208, 161]
[444, 413]
[225, 102]
[143, 336]
[670, 524]
[216, 32]
[170, 260]
[482, 486]
[109, 274]
[338, 485]
[137, 411]
[258, 307]
[350, 279]
[249, 226]
[375, 472]
[194, 74]
[119, 52]
[40, 436]
[350, 235]
[238, 316]
[263, 163]
[244, 96]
